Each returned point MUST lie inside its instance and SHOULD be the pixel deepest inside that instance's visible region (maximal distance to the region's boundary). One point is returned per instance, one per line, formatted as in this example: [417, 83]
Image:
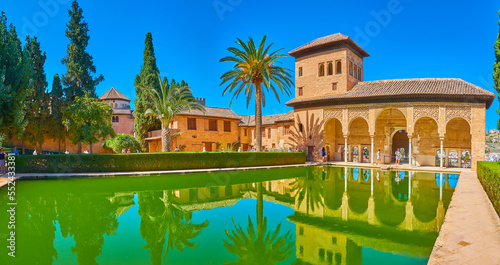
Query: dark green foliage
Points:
[148, 77]
[122, 141]
[88, 121]
[15, 80]
[496, 69]
[489, 175]
[37, 105]
[78, 79]
[57, 130]
[76, 163]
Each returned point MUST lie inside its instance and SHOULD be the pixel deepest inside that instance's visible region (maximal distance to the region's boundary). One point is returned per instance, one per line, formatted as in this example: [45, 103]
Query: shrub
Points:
[82, 163]
[489, 176]
[122, 141]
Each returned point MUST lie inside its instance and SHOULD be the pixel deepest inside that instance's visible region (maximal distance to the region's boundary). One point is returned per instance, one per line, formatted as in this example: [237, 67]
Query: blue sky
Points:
[419, 38]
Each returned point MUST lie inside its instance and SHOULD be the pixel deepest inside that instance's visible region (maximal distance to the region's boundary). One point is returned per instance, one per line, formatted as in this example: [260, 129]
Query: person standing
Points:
[323, 154]
[239, 149]
[398, 156]
[176, 149]
[2, 160]
[35, 153]
[15, 152]
[378, 157]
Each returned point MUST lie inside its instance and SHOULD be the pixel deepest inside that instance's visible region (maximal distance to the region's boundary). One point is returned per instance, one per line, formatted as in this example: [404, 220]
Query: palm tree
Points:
[256, 67]
[167, 103]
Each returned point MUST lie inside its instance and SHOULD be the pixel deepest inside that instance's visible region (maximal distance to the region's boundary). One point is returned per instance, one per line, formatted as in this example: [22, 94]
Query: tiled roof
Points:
[328, 41]
[214, 112]
[268, 119]
[114, 94]
[428, 89]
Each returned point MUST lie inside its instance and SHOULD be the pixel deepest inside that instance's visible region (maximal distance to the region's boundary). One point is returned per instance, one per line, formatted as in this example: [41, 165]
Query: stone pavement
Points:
[471, 230]
[4, 181]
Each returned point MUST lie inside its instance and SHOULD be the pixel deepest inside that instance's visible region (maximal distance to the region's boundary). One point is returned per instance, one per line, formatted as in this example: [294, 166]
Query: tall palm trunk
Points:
[258, 115]
[165, 138]
[260, 208]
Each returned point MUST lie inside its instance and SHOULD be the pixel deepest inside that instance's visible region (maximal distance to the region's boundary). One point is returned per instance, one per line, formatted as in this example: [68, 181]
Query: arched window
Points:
[350, 68]
[321, 69]
[355, 71]
[113, 119]
[339, 67]
[300, 71]
[117, 119]
[359, 73]
[329, 68]
[301, 127]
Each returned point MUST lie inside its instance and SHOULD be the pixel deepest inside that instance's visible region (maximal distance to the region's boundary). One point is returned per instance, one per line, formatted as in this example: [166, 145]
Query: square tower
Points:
[330, 65]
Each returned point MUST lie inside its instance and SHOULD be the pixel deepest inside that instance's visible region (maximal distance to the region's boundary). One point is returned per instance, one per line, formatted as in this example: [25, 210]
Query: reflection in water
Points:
[320, 215]
[258, 246]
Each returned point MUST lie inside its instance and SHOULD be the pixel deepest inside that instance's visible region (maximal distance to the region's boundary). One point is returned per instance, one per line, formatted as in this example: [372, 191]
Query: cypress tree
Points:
[15, 79]
[78, 79]
[148, 77]
[37, 104]
[57, 129]
[496, 68]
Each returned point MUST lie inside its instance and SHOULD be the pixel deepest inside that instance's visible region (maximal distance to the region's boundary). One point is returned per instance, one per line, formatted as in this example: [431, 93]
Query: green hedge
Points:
[83, 163]
[489, 175]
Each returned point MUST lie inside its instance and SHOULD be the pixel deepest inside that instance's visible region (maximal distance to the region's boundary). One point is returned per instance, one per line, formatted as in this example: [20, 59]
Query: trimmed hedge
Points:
[86, 163]
[489, 176]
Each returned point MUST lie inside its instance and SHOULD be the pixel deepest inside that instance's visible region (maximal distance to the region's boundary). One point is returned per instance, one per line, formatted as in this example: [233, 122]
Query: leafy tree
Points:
[166, 104]
[38, 114]
[122, 141]
[78, 79]
[88, 120]
[253, 68]
[496, 69]
[148, 77]
[57, 102]
[15, 80]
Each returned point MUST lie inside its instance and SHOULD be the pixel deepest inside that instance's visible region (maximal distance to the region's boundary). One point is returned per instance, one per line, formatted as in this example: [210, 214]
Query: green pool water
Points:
[305, 215]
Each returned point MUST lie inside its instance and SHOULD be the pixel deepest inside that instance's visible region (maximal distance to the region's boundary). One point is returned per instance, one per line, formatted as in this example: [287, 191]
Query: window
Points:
[245, 132]
[191, 124]
[355, 71]
[300, 71]
[350, 68]
[301, 231]
[321, 69]
[329, 257]
[301, 91]
[269, 133]
[301, 250]
[287, 130]
[339, 67]
[212, 125]
[334, 240]
[334, 86]
[227, 126]
[359, 73]
[321, 254]
[329, 68]
[301, 127]
[114, 119]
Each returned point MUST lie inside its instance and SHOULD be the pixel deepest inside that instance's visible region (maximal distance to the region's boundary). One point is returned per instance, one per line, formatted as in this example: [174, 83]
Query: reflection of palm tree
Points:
[258, 246]
[160, 218]
[309, 188]
[179, 226]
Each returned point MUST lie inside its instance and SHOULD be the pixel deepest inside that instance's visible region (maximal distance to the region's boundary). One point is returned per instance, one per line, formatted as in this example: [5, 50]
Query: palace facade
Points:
[421, 117]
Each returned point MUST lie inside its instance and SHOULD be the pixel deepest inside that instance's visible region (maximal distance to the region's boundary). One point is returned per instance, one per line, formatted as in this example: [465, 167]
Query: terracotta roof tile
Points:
[114, 94]
[427, 89]
[214, 112]
[267, 119]
[328, 41]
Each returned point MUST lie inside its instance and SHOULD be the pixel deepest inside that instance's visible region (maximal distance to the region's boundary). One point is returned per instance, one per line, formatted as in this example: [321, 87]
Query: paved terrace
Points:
[471, 230]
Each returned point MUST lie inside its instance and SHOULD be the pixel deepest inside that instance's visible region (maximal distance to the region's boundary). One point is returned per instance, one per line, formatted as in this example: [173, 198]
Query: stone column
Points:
[345, 149]
[441, 154]
[371, 151]
[410, 159]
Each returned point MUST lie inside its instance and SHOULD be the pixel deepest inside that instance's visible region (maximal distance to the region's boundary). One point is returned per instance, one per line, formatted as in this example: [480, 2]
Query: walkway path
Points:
[402, 167]
[4, 181]
[471, 230]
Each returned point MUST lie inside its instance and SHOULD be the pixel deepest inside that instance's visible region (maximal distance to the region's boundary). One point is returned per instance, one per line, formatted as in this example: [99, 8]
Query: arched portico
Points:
[359, 139]
[334, 139]
[387, 124]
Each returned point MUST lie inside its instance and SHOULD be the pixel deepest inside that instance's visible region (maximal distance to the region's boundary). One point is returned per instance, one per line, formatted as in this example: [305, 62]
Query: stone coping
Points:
[471, 230]
[401, 167]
